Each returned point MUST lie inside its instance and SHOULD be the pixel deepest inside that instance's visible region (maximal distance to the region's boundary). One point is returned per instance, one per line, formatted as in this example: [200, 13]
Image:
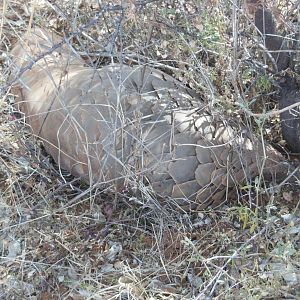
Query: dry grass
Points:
[107, 246]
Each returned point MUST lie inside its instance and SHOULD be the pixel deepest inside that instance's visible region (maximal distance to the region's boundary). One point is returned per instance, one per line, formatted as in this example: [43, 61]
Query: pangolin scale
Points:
[120, 125]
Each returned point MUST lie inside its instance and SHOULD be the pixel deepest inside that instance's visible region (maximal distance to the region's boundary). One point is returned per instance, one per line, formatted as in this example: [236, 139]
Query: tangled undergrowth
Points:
[60, 240]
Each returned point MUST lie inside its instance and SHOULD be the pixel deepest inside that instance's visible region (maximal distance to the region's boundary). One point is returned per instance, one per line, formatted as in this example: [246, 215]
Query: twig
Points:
[273, 112]
[287, 180]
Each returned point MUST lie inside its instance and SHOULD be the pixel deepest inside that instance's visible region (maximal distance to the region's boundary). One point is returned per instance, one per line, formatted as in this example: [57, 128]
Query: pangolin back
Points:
[121, 125]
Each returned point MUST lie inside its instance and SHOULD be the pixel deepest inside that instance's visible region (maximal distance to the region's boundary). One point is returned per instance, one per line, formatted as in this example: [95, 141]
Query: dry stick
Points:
[146, 51]
[270, 57]
[74, 201]
[235, 54]
[287, 180]
[273, 112]
[3, 18]
[30, 23]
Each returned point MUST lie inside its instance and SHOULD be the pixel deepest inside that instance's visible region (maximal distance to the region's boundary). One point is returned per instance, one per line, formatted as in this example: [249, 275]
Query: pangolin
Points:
[122, 125]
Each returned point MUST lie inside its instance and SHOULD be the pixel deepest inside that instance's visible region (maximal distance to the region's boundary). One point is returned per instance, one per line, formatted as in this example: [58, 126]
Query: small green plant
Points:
[211, 34]
[263, 84]
[245, 216]
[247, 74]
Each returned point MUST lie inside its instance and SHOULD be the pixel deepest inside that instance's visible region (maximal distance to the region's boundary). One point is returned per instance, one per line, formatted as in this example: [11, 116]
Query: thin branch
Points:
[273, 112]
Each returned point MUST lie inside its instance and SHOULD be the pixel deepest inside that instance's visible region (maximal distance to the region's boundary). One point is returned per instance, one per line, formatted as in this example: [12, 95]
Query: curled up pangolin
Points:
[120, 125]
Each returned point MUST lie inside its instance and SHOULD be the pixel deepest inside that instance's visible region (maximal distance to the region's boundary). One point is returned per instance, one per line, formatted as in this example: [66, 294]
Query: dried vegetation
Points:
[59, 240]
